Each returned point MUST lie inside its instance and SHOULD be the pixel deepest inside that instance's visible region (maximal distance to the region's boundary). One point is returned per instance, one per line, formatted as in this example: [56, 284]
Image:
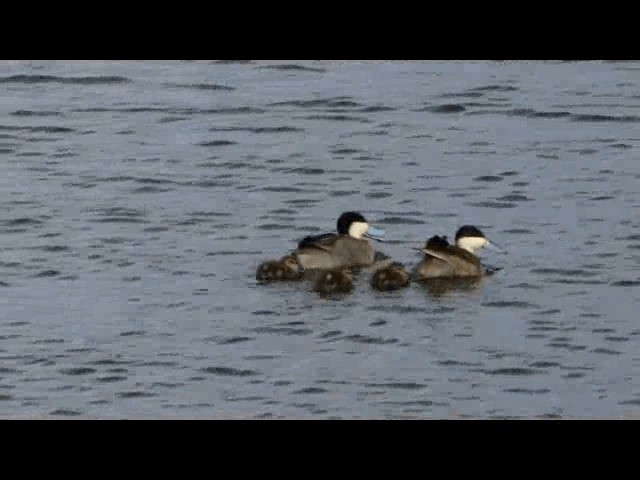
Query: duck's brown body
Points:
[334, 251]
[443, 260]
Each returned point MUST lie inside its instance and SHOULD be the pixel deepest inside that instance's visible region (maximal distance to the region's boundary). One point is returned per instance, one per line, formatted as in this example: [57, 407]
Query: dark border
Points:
[330, 30]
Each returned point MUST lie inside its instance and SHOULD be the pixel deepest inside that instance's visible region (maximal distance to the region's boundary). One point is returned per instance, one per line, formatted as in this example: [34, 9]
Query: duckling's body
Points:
[443, 260]
[285, 269]
[332, 281]
[345, 249]
[392, 277]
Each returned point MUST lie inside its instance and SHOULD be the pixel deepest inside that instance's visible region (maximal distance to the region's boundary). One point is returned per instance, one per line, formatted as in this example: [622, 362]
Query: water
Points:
[138, 199]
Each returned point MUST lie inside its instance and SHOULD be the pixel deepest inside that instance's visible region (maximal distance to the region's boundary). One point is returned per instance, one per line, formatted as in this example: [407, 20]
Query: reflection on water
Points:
[447, 287]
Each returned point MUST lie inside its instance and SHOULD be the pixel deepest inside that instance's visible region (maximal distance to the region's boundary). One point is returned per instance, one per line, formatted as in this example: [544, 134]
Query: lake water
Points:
[138, 198]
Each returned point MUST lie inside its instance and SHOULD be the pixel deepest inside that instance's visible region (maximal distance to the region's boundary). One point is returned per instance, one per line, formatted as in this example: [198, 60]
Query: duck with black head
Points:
[348, 248]
[443, 260]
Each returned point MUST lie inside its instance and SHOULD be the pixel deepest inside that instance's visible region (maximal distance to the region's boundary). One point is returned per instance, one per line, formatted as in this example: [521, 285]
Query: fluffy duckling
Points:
[392, 277]
[285, 269]
[332, 281]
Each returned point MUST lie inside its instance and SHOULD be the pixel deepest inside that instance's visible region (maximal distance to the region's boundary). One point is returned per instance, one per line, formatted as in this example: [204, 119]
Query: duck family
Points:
[329, 261]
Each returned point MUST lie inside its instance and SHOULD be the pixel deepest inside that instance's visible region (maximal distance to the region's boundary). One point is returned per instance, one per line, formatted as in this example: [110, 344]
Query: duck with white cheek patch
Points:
[443, 260]
[348, 248]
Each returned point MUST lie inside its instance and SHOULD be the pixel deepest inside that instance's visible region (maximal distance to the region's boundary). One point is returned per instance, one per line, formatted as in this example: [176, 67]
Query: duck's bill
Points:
[494, 247]
[374, 233]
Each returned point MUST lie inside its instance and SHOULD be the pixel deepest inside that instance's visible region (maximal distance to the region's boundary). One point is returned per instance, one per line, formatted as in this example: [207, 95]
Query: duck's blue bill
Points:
[494, 247]
[375, 232]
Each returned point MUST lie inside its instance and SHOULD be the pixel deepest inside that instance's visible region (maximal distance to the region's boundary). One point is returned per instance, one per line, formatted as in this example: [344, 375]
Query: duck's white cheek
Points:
[357, 229]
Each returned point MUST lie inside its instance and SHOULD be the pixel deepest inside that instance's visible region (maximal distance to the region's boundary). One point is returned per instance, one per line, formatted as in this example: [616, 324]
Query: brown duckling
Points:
[392, 277]
[285, 269]
[332, 281]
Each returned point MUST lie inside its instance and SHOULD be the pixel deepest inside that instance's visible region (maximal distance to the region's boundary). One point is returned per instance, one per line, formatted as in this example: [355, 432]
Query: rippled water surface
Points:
[138, 198]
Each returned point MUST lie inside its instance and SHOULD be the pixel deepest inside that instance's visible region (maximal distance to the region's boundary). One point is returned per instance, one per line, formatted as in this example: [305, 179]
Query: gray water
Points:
[138, 198]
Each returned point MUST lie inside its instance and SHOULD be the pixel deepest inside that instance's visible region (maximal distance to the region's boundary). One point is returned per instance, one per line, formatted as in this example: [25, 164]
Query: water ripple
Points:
[64, 80]
[217, 143]
[279, 129]
[226, 371]
[33, 113]
[293, 67]
[513, 371]
[201, 86]
[77, 371]
[625, 283]
[370, 340]
[446, 108]
[338, 118]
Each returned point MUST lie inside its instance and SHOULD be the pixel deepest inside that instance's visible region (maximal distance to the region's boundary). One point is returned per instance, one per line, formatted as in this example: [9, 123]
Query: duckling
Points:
[443, 260]
[345, 249]
[285, 269]
[392, 277]
[332, 281]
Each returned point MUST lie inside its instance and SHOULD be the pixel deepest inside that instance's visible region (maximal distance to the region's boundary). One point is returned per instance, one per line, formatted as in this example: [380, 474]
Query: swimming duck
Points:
[285, 269]
[345, 249]
[392, 277]
[443, 260]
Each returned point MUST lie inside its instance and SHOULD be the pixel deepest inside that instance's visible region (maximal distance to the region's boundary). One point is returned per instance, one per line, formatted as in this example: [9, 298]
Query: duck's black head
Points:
[469, 231]
[346, 219]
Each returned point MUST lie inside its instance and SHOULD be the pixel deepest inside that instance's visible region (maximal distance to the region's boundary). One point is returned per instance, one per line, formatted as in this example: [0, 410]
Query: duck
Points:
[284, 269]
[348, 248]
[443, 260]
[390, 278]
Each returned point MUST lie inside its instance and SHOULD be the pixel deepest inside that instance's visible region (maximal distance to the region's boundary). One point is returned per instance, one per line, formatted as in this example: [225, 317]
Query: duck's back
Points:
[464, 263]
[446, 260]
[334, 251]
[314, 241]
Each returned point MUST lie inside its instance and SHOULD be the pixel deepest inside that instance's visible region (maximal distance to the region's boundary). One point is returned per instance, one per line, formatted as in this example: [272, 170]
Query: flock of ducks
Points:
[329, 261]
